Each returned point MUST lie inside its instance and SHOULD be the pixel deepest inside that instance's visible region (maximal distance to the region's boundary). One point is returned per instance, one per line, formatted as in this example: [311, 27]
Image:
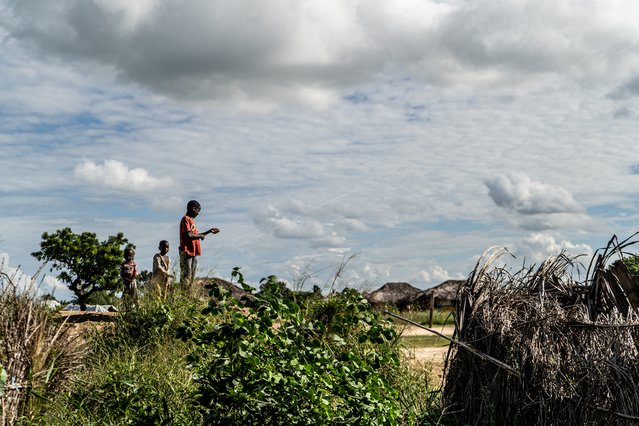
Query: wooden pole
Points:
[432, 308]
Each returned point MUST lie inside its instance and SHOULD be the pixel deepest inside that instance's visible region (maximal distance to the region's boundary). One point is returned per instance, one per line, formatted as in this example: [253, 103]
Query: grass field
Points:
[440, 317]
[424, 341]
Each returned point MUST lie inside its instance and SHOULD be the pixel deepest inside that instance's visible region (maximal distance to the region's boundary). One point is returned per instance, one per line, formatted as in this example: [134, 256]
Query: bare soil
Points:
[412, 330]
[430, 357]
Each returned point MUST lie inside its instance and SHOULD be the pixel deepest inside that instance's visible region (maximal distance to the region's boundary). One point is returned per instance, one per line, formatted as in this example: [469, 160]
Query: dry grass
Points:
[35, 350]
[570, 334]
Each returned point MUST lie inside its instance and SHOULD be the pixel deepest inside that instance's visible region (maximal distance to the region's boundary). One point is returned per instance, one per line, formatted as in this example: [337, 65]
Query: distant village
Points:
[406, 297]
[399, 295]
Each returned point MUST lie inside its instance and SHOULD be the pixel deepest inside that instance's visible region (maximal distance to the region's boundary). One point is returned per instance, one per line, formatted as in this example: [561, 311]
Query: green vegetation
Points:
[274, 357]
[3, 379]
[267, 363]
[87, 265]
[632, 263]
[137, 372]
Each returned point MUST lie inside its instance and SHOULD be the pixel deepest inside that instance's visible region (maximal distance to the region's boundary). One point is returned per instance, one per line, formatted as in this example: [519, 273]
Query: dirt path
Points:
[430, 357]
[412, 330]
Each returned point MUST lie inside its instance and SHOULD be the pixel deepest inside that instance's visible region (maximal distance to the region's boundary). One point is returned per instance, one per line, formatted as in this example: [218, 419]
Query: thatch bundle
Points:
[572, 343]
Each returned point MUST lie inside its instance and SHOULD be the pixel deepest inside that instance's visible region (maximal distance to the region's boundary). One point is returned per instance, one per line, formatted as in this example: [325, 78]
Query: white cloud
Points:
[429, 102]
[46, 284]
[435, 274]
[538, 247]
[354, 225]
[114, 174]
[170, 203]
[517, 192]
[301, 226]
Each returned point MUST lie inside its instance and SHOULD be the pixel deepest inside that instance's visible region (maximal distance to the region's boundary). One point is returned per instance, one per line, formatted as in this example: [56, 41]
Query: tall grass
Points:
[131, 385]
[37, 352]
[138, 372]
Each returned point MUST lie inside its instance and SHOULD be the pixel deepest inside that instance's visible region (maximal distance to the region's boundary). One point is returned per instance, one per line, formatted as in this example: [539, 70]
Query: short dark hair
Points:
[192, 205]
[163, 243]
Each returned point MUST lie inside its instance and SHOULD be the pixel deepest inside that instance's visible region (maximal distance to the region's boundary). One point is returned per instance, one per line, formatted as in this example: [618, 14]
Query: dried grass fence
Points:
[36, 352]
[570, 333]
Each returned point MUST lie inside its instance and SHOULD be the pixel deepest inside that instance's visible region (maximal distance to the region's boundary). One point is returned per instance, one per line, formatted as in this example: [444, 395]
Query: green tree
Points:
[87, 265]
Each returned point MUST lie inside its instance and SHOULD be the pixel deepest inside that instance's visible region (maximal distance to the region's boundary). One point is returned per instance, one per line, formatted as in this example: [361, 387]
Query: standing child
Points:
[190, 247]
[162, 273]
[129, 275]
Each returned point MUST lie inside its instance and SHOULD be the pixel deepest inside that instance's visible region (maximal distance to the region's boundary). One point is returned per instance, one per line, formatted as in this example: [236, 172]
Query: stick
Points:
[466, 346]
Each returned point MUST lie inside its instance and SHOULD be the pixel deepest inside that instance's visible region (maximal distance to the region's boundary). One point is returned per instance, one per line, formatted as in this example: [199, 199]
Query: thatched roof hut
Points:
[547, 348]
[236, 291]
[397, 294]
[445, 295]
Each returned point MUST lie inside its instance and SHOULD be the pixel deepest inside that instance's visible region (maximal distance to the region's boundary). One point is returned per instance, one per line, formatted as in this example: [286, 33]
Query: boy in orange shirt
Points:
[190, 247]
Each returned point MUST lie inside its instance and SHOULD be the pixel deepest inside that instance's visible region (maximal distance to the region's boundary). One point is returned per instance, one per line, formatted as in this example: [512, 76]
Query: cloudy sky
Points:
[413, 134]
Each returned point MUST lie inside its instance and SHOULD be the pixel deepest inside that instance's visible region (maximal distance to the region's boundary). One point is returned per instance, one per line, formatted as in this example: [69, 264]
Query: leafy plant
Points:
[632, 263]
[87, 265]
[3, 379]
[264, 362]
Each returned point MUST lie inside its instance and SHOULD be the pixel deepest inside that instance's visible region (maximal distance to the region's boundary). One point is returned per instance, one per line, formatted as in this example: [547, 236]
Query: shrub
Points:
[151, 322]
[265, 363]
[137, 373]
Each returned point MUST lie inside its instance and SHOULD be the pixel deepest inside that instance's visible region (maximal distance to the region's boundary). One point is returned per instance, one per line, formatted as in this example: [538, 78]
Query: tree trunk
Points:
[82, 301]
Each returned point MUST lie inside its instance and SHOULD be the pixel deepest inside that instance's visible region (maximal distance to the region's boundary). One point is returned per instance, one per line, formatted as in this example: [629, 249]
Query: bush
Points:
[265, 363]
[151, 322]
[153, 387]
[137, 373]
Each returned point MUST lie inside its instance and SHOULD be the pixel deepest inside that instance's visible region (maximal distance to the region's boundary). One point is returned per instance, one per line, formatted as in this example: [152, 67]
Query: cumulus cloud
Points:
[305, 50]
[298, 227]
[539, 247]
[168, 203]
[517, 192]
[354, 225]
[114, 174]
[24, 281]
[434, 275]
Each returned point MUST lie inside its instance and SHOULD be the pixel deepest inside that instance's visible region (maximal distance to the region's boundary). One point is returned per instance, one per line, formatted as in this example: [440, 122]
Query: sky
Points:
[402, 138]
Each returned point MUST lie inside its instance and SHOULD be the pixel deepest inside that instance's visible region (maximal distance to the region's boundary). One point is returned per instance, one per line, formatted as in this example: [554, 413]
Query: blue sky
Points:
[413, 134]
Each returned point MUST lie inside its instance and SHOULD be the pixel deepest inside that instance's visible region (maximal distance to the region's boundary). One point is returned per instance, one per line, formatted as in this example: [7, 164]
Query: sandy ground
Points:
[432, 357]
[412, 330]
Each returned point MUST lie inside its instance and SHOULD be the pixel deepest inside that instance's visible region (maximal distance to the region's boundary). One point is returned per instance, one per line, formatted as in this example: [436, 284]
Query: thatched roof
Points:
[392, 294]
[236, 291]
[553, 346]
[446, 291]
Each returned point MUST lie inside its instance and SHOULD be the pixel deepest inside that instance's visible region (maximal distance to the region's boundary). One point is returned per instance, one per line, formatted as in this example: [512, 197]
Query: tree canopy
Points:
[86, 264]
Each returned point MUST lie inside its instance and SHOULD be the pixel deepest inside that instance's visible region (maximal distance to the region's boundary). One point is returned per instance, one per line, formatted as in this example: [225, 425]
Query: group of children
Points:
[162, 276]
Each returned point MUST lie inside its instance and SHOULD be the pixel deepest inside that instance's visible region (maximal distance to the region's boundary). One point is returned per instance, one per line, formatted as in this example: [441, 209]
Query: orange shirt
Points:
[188, 245]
